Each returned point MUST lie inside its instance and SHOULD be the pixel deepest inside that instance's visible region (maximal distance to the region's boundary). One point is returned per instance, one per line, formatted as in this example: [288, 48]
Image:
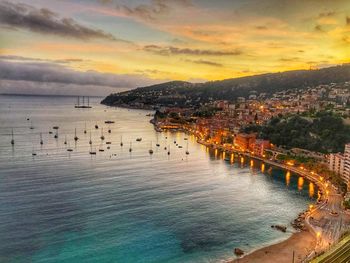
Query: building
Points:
[336, 163]
[260, 146]
[245, 141]
[346, 173]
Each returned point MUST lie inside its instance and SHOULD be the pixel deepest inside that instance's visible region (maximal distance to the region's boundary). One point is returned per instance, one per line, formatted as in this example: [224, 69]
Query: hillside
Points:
[181, 93]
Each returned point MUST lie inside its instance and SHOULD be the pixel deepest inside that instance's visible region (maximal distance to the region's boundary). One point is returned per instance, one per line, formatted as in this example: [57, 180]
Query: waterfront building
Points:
[346, 174]
[260, 146]
[336, 163]
[245, 141]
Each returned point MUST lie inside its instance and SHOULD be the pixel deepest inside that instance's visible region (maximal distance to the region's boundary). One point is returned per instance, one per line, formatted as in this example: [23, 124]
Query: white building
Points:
[346, 174]
[336, 163]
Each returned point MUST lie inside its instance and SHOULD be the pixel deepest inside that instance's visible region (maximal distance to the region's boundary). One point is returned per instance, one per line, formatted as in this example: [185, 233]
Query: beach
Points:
[301, 243]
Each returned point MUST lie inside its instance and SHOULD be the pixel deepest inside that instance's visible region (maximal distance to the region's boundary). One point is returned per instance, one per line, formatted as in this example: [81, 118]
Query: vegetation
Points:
[325, 133]
[181, 93]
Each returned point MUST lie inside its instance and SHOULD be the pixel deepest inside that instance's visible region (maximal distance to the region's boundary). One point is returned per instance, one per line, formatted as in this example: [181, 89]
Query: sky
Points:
[95, 47]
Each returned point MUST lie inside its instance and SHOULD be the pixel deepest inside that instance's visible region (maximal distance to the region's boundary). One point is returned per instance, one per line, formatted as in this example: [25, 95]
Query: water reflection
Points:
[232, 158]
[288, 178]
[300, 183]
[311, 189]
[262, 167]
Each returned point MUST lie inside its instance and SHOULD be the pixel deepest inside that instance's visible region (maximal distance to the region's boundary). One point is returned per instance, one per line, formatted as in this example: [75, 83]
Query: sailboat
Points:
[151, 150]
[31, 125]
[121, 141]
[41, 139]
[33, 153]
[101, 148]
[65, 139]
[130, 149]
[12, 138]
[102, 136]
[85, 128]
[187, 152]
[91, 151]
[157, 144]
[75, 135]
[169, 149]
[69, 149]
[90, 141]
[56, 135]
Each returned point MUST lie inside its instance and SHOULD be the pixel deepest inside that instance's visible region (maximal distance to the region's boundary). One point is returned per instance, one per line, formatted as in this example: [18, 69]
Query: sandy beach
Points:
[301, 243]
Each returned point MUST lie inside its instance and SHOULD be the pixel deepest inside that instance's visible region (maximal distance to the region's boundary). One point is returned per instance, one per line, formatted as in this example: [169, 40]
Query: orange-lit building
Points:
[260, 146]
[245, 141]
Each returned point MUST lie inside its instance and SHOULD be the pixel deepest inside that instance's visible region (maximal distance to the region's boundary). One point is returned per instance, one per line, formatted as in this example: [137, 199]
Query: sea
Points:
[129, 207]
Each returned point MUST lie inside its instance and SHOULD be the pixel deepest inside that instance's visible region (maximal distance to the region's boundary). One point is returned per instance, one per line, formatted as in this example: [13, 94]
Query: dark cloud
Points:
[152, 10]
[327, 14]
[205, 62]
[55, 75]
[170, 50]
[318, 28]
[59, 61]
[45, 21]
[290, 59]
[261, 27]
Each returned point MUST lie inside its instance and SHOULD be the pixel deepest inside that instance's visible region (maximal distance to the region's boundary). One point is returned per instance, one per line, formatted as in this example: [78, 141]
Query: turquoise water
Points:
[117, 206]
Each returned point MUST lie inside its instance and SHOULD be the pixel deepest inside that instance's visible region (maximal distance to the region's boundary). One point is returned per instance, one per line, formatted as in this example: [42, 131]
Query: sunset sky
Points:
[103, 46]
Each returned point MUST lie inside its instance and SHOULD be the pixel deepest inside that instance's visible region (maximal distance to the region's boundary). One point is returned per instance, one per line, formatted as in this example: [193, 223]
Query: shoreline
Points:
[301, 243]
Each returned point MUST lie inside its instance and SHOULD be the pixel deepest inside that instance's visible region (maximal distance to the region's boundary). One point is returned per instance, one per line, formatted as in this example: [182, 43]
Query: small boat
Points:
[108, 142]
[139, 139]
[33, 153]
[108, 147]
[69, 150]
[91, 151]
[41, 139]
[121, 141]
[75, 135]
[185, 139]
[157, 144]
[85, 128]
[101, 150]
[130, 149]
[109, 130]
[90, 141]
[31, 126]
[12, 138]
[56, 135]
[187, 152]
[50, 132]
[169, 150]
[174, 142]
[102, 136]
[151, 150]
[109, 122]
[65, 139]
[28, 119]
[96, 126]
[179, 146]
[55, 127]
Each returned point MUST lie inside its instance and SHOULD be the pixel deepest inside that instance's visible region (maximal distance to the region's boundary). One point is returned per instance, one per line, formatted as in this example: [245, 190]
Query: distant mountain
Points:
[182, 93]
